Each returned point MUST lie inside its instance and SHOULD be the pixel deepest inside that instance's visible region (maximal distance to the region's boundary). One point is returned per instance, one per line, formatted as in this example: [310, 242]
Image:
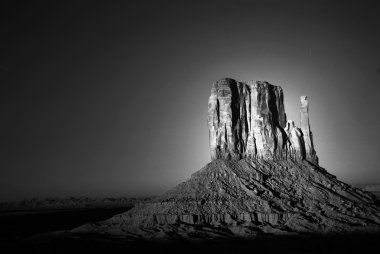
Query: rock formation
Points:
[248, 120]
[310, 153]
[264, 177]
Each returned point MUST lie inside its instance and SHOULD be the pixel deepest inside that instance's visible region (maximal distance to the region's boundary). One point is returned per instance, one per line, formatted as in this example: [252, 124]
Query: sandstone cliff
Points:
[248, 120]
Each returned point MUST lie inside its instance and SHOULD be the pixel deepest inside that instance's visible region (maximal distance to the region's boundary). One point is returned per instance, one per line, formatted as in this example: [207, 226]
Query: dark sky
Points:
[110, 99]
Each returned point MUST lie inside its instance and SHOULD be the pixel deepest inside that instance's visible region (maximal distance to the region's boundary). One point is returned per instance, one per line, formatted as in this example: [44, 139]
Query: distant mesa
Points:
[264, 178]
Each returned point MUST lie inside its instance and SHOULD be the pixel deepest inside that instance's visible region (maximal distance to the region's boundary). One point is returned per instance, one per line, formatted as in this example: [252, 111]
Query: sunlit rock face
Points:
[248, 120]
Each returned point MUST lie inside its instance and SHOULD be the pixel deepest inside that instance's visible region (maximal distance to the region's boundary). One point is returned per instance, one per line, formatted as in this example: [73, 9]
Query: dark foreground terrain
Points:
[351, 243]
[46, 231]
[32, 232]
[26, 218]
[20, 224]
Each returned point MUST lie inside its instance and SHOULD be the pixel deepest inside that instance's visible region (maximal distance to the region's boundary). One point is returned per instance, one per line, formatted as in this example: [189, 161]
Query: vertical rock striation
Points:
[248, 120]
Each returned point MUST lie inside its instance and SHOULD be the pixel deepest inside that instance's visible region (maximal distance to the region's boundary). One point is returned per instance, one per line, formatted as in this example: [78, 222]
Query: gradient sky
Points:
[110, 99]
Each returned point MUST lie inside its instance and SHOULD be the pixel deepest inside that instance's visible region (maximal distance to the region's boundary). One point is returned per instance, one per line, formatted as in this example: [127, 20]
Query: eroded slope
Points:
[249, 197]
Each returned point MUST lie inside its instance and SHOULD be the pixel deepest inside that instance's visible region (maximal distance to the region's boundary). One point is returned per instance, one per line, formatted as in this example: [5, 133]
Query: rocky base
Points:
[246, 198]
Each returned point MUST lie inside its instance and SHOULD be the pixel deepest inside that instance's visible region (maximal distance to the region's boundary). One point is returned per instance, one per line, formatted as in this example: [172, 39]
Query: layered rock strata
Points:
[248, 120]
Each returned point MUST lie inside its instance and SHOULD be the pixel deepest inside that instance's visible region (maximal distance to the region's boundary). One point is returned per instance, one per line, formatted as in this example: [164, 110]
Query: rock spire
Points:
[248, 120]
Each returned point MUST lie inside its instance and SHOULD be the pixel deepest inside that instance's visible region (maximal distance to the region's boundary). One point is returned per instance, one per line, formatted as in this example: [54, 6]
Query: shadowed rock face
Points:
[248, 120]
